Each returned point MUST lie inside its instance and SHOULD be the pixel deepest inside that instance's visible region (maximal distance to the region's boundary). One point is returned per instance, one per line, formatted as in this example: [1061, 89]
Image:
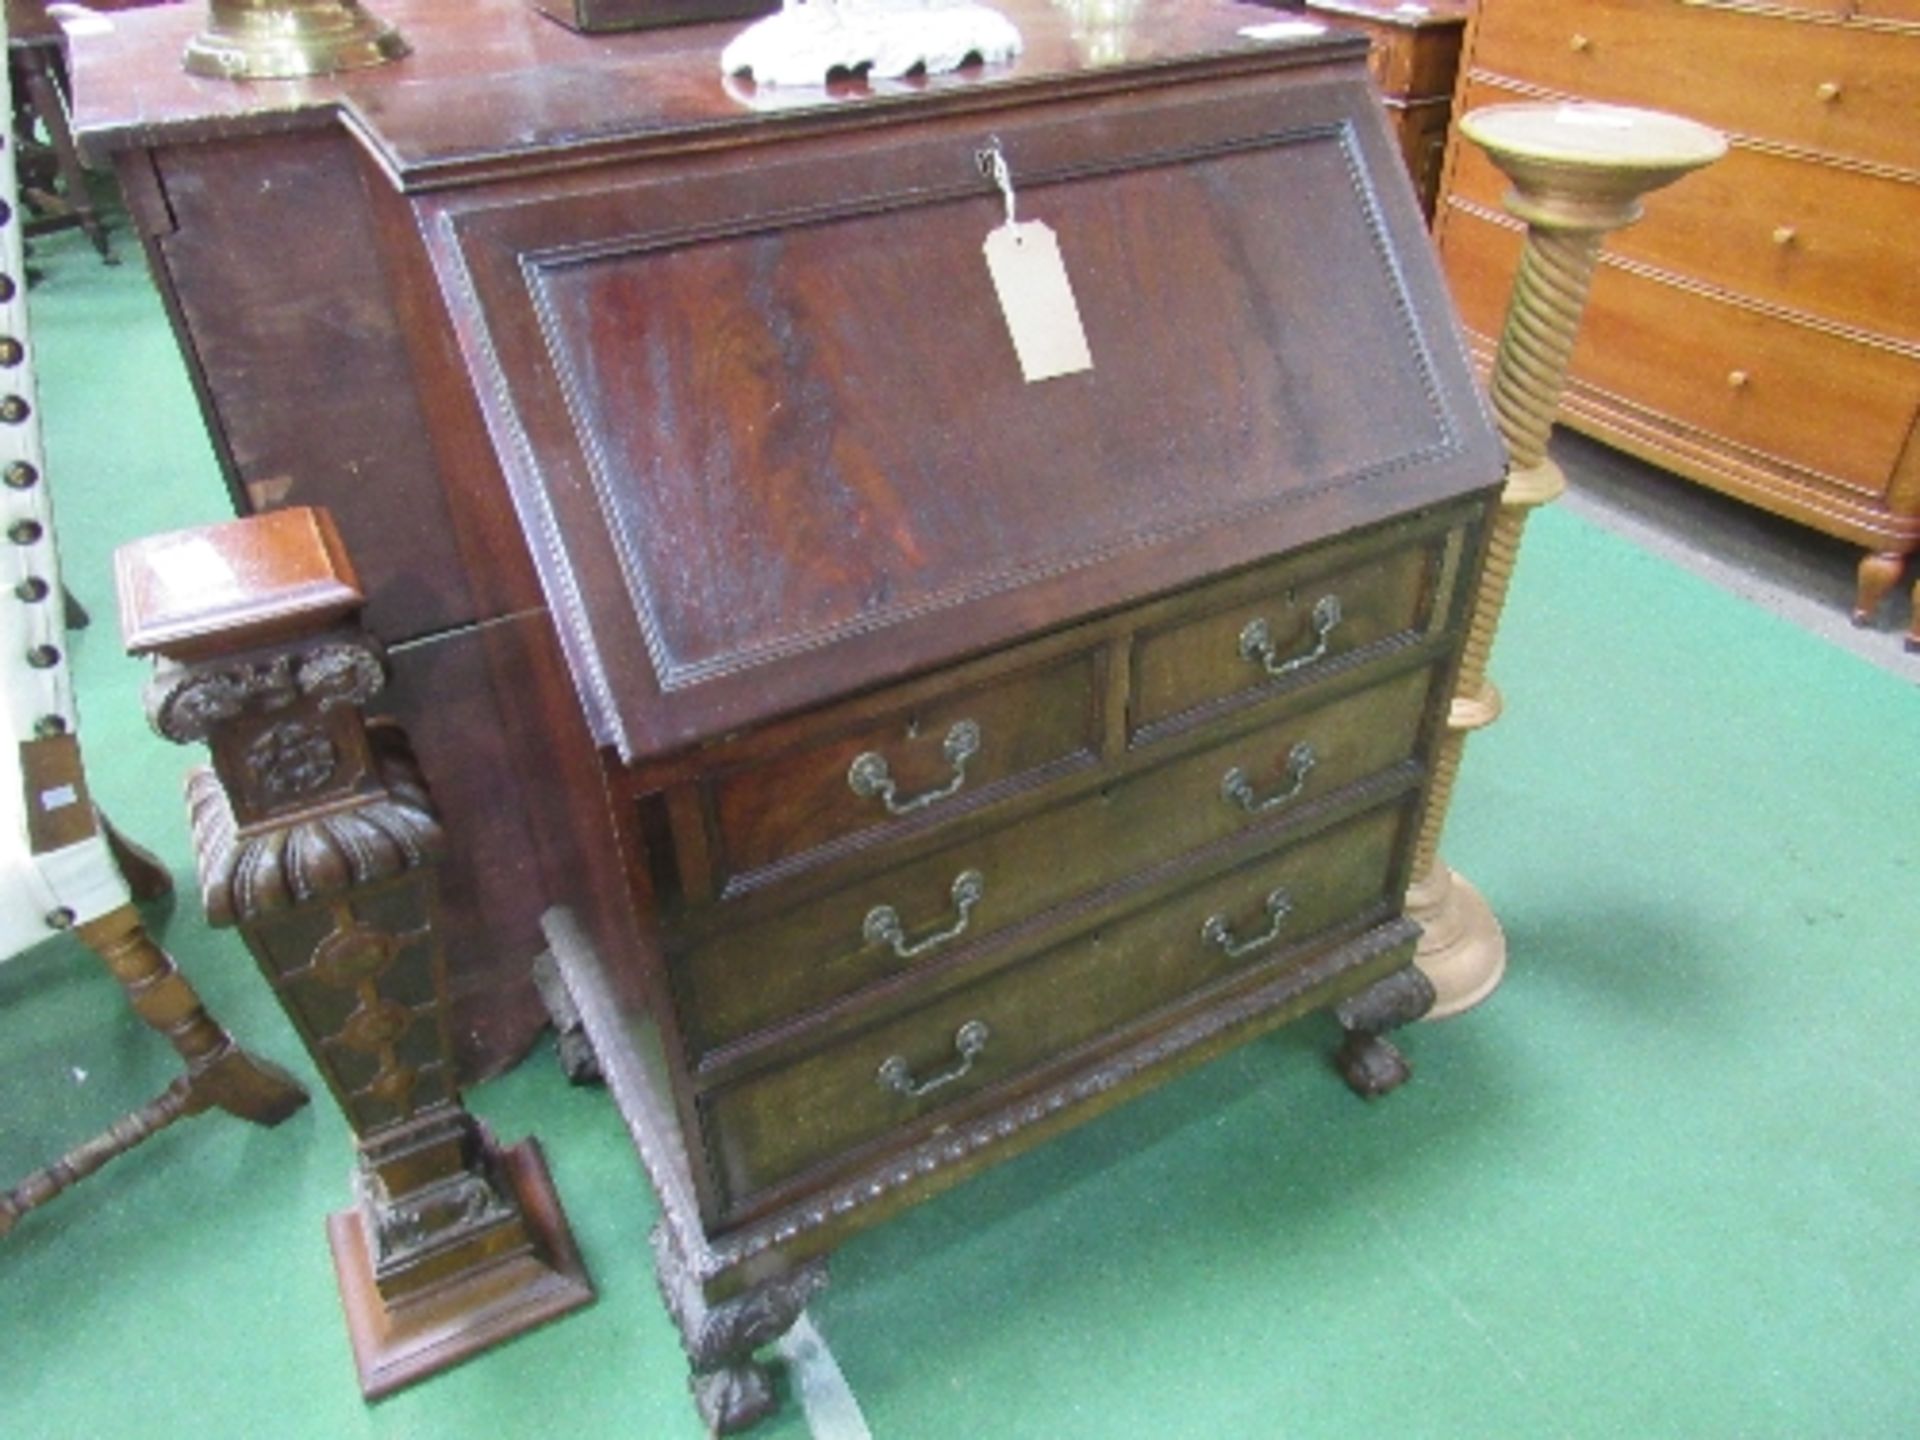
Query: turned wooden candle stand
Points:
[1578, 173]
[317, 839]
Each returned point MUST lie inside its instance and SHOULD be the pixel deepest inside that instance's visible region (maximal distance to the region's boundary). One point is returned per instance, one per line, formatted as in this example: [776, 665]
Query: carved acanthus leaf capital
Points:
[244, 875]
[185, 702]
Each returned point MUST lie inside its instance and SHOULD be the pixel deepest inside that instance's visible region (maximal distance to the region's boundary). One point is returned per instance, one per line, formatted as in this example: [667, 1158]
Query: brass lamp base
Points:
[290, 40]
[401, 1340]
[1462, 949]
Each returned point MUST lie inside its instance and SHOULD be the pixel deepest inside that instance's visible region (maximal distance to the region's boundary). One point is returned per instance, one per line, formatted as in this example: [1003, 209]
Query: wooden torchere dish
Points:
[902, 762]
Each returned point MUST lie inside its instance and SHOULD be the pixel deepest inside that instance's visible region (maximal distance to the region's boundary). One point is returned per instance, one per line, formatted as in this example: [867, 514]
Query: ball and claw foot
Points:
[731, 1389]
[578, 1061]
[1369, 1063]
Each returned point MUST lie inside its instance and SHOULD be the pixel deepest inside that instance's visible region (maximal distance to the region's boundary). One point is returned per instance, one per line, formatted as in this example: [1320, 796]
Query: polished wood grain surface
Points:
[180, 591]
[492, 80]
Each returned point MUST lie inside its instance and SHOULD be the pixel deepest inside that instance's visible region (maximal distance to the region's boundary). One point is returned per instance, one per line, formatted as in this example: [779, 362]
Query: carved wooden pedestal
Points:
[316, 837]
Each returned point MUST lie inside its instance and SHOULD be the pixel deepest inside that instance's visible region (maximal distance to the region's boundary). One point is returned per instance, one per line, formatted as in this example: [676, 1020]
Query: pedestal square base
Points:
[395, 1345]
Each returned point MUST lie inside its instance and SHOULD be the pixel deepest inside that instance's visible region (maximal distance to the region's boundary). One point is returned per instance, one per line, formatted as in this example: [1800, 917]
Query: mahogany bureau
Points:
[916, 760]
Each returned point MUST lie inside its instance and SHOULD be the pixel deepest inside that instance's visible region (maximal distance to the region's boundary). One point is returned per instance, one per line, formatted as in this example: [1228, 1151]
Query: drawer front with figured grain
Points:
[1809, 81]
[941, 757]
[772, 1127]
[939, 906]
[1295, 628]
[1839, 407]
[1822, 239]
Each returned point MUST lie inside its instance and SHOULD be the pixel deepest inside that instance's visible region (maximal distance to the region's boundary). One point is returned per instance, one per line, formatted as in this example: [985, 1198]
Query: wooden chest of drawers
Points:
[1759, 331]
[917, 761]
[1415, 60]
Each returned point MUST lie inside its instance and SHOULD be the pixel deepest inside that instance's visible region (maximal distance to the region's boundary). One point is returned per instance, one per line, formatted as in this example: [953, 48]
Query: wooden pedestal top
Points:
[245, 583]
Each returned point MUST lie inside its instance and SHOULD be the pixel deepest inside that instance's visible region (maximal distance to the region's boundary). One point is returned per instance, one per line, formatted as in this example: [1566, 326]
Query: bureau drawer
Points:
[1840, 88]
[751, 976]
[1822, 239]
[920, 761]
[1295, 627]
[771, 1127]
[1839, 407]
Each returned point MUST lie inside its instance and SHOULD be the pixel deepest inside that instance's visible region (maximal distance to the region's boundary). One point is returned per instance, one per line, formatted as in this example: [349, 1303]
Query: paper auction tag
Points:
[1036, 298]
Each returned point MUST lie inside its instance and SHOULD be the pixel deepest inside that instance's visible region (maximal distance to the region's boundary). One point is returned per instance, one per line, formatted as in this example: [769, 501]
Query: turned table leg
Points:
[219, 1073]
[1879, 573]
[1578, 173]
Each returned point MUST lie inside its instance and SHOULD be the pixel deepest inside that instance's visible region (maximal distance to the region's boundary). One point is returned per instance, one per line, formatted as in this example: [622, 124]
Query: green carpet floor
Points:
[1665, 1184]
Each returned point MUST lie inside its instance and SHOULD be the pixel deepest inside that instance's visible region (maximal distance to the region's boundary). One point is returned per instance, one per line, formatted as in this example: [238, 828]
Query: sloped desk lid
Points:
[766, 431]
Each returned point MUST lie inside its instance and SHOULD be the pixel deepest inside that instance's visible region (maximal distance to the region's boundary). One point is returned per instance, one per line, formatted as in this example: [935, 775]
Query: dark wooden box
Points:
[593, 17]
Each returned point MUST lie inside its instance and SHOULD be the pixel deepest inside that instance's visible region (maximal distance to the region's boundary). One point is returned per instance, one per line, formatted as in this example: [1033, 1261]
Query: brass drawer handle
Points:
[1237, 789]
[968, 1043]
[1218, 930]
[869, 776]
[882, 925]
[1256, 640]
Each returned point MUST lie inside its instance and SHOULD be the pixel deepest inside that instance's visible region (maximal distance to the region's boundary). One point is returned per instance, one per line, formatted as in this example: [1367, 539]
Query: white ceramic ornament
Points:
[884, 39]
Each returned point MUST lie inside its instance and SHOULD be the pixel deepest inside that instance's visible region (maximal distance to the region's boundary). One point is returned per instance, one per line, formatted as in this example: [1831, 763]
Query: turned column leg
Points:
[730, 1386]
[1879, 572]
[1578, 173]
[1913, 623]
[219, 1073]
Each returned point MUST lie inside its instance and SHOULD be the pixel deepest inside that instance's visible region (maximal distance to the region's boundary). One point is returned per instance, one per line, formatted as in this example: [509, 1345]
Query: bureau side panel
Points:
[265, 252]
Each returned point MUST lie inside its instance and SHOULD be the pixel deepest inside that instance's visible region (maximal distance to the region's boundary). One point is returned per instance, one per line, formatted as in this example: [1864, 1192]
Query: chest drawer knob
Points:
[1218, 930]
[1237, 789]
[969, 1042]
[1785, 235]
[1738, 380]
[869, 775]
[882, 925]
[1827, 91]
[1256, 639]
[1580, 44]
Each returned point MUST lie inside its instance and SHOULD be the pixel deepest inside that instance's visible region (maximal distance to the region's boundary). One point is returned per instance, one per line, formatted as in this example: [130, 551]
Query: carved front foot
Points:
[571, 1043]
[730, 1387]
[1371, 1064]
